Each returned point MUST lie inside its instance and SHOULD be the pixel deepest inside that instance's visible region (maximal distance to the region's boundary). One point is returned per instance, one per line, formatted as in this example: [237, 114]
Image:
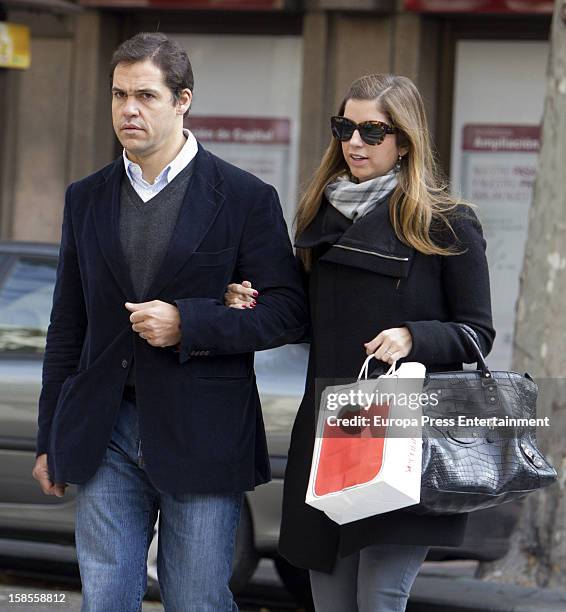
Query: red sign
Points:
[497, 138]
[225, 5]
[240, 130]
[481, 6]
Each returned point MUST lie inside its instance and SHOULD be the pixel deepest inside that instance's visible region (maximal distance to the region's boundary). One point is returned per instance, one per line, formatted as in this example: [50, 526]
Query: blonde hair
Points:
[421, 197]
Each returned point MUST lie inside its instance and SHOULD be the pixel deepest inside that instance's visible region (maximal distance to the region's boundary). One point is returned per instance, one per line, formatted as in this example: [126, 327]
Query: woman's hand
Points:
[391, 344]
[240, 296]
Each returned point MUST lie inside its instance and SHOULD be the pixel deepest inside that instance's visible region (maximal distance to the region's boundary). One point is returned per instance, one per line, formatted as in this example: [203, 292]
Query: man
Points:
[149, 398]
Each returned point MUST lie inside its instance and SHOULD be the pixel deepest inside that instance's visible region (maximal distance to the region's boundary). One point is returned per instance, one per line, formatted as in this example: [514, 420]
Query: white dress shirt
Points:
[146, 190]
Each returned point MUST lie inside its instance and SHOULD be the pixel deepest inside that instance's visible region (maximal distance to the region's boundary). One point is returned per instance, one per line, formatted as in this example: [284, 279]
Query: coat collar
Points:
[327, 227]
[370, 243]
[203, 199]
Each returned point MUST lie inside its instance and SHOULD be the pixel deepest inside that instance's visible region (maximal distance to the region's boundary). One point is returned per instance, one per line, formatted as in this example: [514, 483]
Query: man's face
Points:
[145, 116]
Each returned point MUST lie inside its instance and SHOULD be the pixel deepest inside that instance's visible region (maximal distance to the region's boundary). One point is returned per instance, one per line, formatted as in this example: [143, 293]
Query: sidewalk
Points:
[439, 588]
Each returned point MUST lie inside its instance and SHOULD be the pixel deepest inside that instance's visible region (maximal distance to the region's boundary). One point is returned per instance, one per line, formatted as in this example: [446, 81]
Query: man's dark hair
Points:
[166, 54]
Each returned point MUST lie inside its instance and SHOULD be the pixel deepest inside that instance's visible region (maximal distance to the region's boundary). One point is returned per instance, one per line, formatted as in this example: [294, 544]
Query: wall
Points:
[56, 122]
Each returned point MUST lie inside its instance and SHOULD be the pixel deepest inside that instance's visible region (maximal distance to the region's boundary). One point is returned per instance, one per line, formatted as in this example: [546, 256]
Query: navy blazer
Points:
[200, 416]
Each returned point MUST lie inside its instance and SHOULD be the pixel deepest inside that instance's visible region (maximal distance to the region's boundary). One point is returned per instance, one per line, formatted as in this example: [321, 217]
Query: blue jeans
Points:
[115, 518]
[377, 579]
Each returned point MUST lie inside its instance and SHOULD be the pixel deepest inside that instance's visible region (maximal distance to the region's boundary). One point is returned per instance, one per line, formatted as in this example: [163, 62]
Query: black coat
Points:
[365, 280]
[200, 417]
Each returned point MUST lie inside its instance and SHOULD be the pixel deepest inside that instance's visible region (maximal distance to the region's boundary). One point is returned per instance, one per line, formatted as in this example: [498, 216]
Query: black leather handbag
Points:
[471, 468]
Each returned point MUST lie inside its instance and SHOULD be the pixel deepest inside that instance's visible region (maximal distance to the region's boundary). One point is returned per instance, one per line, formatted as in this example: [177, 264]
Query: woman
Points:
[392, 263]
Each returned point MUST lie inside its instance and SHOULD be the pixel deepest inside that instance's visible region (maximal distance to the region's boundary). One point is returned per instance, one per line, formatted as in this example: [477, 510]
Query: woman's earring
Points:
[397, 166]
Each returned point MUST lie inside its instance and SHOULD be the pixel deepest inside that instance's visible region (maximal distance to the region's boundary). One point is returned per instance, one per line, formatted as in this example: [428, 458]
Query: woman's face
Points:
[368, 161]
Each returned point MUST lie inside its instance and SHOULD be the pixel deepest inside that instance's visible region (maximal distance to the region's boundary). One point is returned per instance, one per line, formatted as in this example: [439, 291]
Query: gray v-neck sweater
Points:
[145, 232]
[146, 228]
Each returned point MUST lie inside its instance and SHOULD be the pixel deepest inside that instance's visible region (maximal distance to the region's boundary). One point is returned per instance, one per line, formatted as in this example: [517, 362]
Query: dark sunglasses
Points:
[371, 132]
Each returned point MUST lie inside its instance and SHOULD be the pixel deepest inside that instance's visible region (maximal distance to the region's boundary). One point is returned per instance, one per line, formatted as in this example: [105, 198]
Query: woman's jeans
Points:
[377, 579]
[116, 513]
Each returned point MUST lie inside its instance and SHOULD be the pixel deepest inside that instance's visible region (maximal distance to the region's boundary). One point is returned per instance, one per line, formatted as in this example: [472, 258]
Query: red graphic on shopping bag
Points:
[351, 454]
[362, 463]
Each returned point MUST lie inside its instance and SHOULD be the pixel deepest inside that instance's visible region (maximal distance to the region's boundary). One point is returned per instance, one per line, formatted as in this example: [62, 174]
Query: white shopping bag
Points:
[360, 466]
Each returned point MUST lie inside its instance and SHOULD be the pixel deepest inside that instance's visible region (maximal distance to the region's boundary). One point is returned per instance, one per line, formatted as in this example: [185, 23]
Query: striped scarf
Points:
[354, 200]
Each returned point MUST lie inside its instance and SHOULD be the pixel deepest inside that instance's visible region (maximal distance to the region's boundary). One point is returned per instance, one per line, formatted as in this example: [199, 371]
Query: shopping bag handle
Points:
[364, 371]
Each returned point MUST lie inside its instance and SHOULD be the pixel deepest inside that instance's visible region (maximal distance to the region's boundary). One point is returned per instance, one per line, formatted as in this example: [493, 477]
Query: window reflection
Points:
[25, 305]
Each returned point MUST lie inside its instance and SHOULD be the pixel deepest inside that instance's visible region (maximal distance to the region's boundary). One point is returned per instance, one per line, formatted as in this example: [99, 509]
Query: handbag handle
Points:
[473, 340]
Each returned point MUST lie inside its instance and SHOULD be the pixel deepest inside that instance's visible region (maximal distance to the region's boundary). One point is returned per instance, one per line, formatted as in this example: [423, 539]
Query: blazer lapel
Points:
[106, 197]
[201, 204]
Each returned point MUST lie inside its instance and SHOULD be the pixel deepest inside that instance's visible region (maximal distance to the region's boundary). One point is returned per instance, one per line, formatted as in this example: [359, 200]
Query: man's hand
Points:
[41, 474]
[159, 323]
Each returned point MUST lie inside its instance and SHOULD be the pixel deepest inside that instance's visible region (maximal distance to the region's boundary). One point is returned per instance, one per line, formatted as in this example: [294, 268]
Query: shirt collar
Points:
[184, 157]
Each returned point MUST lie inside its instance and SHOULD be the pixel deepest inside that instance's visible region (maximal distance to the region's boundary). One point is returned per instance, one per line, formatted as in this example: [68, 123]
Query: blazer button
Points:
[124, 363]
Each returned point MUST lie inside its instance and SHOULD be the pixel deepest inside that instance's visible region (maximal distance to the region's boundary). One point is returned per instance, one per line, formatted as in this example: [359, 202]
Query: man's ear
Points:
[184, 101]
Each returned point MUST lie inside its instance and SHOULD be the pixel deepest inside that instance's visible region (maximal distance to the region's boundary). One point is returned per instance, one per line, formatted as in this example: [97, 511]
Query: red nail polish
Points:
[252, 306]
[255, 293]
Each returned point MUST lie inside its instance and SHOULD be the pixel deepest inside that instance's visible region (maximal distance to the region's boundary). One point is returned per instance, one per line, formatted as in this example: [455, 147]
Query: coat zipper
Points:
[341, 246]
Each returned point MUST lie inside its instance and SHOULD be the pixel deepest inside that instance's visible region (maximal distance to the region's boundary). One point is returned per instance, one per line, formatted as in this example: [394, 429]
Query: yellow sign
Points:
[14, 46]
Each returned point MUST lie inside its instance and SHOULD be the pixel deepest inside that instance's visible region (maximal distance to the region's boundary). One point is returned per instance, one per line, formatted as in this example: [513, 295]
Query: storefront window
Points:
[498, 106]
[246, 104]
